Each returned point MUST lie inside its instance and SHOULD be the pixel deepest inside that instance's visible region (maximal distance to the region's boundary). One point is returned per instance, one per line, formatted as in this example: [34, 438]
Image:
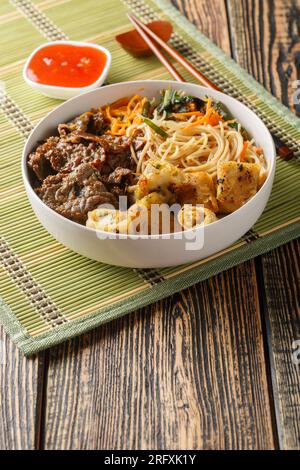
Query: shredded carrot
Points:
[189, 114]
[123, 113]
[120, 103]
[119, 111]
[211, 117]
[214, 118]
[244, 151]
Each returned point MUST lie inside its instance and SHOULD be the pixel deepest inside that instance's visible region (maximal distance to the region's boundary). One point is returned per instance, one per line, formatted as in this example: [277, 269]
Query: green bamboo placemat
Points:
[49, 293]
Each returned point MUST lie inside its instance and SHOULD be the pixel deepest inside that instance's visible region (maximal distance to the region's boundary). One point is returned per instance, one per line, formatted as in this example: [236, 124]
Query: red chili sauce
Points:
[66, 65]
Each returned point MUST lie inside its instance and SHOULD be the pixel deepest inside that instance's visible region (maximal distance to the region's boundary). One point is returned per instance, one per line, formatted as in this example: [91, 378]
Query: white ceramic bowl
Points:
[62, 92]
[160, 250]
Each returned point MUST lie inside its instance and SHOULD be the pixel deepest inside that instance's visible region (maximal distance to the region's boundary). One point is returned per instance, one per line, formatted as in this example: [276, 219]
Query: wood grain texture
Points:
[187, 372]
[21, 384]
[266, 41]
[281, 275]
[209, 17]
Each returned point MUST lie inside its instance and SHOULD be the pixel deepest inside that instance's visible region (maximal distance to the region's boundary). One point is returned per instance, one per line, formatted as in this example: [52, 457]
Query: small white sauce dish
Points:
[61, 92]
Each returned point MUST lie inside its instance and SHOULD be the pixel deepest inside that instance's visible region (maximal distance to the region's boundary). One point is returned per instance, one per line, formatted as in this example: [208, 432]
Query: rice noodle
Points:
[198, 148]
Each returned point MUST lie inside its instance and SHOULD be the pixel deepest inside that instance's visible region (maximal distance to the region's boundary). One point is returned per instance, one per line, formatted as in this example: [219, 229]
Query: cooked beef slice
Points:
[62, 154]
[82, 168]
[74, 194]
[56, 155]
[39, 161]
[117, 143]
[113, 145]
[118, 175]
[93, 122]
[118, 154]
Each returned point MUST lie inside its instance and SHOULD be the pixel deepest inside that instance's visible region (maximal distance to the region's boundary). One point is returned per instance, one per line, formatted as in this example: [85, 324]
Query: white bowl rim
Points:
[87, 88]
[114, 235]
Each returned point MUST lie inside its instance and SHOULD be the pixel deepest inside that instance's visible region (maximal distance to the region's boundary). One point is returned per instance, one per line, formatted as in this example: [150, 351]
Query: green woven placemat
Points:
[49, 293]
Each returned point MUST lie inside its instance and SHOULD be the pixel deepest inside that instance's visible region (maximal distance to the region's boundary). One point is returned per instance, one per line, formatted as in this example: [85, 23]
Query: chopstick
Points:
[171, 51]
[283, 151]
[156, 50]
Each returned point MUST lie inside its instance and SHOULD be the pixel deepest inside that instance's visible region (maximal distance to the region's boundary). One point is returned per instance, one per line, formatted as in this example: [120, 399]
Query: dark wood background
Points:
[208, 368]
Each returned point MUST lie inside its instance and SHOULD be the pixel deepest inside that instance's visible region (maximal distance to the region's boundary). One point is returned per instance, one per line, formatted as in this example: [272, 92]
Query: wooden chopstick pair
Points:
[153, 41]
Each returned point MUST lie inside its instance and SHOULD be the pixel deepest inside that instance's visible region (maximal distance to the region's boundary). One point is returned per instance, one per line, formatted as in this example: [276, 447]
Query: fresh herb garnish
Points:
[222, 110]
[227, 116]
[146, 109]
[156, 128]
[172, 101]
[234, 125]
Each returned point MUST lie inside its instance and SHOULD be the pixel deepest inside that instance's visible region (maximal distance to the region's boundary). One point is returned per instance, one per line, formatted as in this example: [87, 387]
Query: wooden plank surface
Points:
[21, 385]
[266, 42]
[209, 17]
[281, 276]
[187, 372]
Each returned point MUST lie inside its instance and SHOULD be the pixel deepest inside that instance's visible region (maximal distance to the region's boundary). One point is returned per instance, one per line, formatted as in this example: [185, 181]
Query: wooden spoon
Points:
[133, 43]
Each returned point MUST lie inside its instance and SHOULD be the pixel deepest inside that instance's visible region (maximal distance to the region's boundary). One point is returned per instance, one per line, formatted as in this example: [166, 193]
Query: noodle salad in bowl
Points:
[156, 160]
[197, 134]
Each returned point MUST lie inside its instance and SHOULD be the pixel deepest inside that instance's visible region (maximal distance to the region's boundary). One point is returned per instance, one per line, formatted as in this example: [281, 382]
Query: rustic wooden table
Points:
[208, 368]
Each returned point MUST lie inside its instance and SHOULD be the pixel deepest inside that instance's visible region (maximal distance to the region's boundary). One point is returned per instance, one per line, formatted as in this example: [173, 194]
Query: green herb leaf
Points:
[222, 110]
[156, 128]
[172, 101]
[227, 116]
[234, 125]
[146, 109]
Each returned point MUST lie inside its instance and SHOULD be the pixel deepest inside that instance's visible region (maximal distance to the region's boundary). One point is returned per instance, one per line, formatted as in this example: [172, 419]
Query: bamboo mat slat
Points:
[48, 293]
